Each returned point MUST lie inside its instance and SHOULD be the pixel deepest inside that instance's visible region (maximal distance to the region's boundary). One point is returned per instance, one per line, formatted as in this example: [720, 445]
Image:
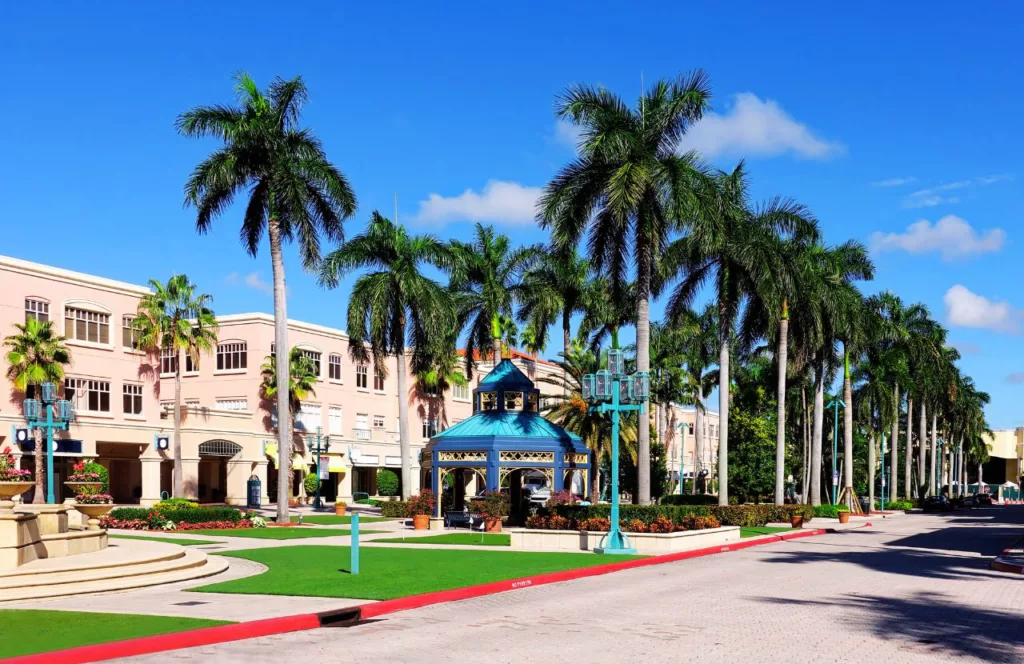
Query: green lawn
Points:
[30, 631]
[168, 540]
[280, 533]
[385, 573]
[753, 532]
[476, 539]
[335, 520]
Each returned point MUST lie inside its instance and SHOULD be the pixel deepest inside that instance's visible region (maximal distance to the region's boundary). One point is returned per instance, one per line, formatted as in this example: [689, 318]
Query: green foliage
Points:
[422, 503]
[93, 467]
[396, 509]
[129, 513]
[751, 455]
[310, 483]
[373, 502]
[895, 505]
[194, 515]
[387, 482]
[628, 470]
[829, 511]
[689, 499]
[732, 515]
[176, 503]
[493, 505]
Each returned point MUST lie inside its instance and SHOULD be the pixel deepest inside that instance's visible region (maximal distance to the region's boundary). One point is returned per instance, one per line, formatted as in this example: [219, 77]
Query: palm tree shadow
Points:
[938, 624]
[908, 562]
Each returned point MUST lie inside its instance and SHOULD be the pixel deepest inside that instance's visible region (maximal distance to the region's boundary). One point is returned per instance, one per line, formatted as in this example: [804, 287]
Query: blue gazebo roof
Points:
[507, 424]
[505, 376]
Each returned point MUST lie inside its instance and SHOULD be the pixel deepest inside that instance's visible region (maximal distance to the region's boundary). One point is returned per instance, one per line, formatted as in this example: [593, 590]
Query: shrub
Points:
[699, 499]
[843, 508]
[396, 509]
[311, 482]
[700, 523]
[129, 514]
[493, 505]
[597, 525]
[193, 515]
[732, 515]
[826, 511]
[387, 482]
[422, 503]
[370, 501]
[895, 505]
[560, 498]
[175, 503]
[93, 467]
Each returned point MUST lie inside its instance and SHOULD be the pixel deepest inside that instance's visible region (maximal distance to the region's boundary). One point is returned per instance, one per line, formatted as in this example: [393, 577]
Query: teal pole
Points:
[50, 498]
[354, 547]
[615, 542]
[883, 473]
[682, 455]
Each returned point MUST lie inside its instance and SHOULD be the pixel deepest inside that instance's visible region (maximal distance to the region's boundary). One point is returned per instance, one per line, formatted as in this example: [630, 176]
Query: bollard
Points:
[354, 547]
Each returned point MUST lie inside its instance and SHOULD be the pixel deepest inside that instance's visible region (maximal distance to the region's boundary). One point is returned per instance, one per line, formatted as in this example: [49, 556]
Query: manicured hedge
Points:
[829, 511]
[395, 509]
[747, 516]
[129, 513]
[895, 505]
[156, 518]
[698, 499]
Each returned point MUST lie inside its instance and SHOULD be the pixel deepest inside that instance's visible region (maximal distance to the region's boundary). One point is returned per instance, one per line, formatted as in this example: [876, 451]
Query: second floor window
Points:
[378, 380]
[233, 404]
[315, 357]
[429, 428]
[88, 395]
[361, 376]
[460, 392]
[378, 421]
[169, 362]
[37, 309]
[334, 367]
[130, 335]
[132, 399]
[86, 325]
[232, 356]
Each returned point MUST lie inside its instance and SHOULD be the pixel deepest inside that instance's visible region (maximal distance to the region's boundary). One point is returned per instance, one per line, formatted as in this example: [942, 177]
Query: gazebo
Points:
[505, 438]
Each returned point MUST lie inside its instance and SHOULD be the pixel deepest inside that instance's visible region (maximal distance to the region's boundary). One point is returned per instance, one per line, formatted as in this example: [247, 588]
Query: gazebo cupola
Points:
[506, 389]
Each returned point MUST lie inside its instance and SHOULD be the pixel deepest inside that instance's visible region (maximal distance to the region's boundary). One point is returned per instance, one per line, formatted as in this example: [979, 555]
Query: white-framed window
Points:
[308, 417]
[429, 428]
[131, 336]
[38, 309]
[691, 428]
[169, 362]
[132, 393]
[460, 392]
[378, 380]
[232, 356]
[192, 403]
[378, 421]
[313, 355]
[361, 430]
[361, 372]
[233, 404]
[88, 395]
[335, 420]
[85, 325]
[334, 366]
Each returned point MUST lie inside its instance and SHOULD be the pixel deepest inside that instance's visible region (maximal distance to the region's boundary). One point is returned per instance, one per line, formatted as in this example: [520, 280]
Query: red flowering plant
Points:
[8, 471]
[492, 505]
[422, 503]
[94, 499]
[83, 472]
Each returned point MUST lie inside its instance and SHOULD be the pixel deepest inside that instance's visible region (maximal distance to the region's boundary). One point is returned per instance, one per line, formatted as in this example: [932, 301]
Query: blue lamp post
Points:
[835, 404]
[611, 391]
[48, 413]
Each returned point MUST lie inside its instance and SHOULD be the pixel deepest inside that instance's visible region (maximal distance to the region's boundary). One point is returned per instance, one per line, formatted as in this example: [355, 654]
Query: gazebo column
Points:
[435, 482]
[493, 478]
[515, 483]
[559, 472]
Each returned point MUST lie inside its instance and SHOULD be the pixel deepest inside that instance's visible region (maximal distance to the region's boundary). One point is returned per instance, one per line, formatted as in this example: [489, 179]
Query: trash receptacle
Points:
[255, 489]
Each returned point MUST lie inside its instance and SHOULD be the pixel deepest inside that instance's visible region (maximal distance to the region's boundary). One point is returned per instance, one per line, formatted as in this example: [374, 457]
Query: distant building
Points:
[1006, 448]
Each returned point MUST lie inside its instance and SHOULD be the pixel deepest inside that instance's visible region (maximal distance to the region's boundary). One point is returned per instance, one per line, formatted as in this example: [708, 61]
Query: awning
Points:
[270, 449]
[335, 464]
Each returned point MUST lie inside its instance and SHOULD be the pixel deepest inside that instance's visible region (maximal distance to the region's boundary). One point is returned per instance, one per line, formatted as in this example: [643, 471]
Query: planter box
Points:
[650, 544]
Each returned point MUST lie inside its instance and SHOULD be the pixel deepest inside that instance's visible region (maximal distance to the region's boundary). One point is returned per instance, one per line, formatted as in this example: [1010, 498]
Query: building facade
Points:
[681, 444]
[124, 398]
[1006, 451]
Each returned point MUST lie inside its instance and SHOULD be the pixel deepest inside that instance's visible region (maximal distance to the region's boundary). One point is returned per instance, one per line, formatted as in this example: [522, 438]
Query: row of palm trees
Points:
[631, 218]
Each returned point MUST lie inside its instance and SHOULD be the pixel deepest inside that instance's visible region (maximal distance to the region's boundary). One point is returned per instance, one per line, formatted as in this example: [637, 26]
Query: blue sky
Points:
[877, 116]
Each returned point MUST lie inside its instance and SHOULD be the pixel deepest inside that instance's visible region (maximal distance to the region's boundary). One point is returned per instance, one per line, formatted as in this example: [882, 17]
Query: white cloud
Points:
[499, 202]
[1015, 378]
[894, 182]
[252, 280]
[967, 309]
[933, 196]
[966, 348]
[951, 236]
[756, 127]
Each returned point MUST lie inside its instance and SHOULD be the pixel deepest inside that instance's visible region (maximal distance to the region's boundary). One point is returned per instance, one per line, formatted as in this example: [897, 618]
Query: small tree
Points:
[387, 482]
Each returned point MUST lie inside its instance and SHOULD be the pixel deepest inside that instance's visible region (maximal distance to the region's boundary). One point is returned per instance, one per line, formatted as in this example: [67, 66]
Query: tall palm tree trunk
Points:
[284, 440]
[933, 475]
[806, 436]
[39, 496]
[819, 409]
[643, 363]
[848, 430]
[894, 447]
[922, 447]
[871, 471]
[698, 431]
[496, 339]
[780, 431]
[177, 478]
[961, 473]
[566, 343]
[908, 454]
[404, 444]
[723, 417]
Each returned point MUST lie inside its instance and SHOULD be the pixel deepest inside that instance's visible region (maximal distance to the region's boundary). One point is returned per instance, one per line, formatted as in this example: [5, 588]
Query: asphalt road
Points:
[910, 589]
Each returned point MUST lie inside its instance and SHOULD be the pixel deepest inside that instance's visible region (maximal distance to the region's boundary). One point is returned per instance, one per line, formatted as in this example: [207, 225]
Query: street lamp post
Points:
[611, 391]
[883, 476]
[835, 404]
[40, 415]
[938, 466]
[682, 455]
[318, 445]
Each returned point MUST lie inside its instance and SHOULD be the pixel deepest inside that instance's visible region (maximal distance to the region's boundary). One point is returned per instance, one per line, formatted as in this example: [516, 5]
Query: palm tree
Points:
[392, 303]
[292, 188]
[630, 188]
[572, 413]
[733, 245]
[607, 307]
[436, 373]
[177, 320]
[302, 378]
[487, 280]
[36, 355]
[554, 288]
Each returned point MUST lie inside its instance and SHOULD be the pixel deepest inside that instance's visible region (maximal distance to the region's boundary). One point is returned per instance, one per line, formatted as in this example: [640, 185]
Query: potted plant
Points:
[843, 513]
[85, 477]
[796, 520]
[94, 505]
[421, 507]
[13, 481]
[492, 506]
[339, 508]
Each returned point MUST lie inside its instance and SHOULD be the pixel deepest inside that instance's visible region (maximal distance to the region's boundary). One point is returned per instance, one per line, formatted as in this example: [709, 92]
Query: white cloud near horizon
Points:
[951, 236]
[252, 280]
[932, 196]
[754, 127]
[499, 202]
[967, 309]
[894, 182]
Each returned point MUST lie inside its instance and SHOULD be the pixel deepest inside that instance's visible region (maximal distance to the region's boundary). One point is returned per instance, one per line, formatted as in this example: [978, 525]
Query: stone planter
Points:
[9, 490]
[652, 544]
[492, 525]
[421, 521]
[84, 487]
[94, 512]
[339, 508]
[844, 517]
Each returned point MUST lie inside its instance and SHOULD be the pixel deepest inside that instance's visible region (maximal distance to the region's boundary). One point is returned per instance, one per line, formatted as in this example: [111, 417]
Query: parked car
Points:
[540, 496]
[937, 504]
[985, 499]
[969, 501]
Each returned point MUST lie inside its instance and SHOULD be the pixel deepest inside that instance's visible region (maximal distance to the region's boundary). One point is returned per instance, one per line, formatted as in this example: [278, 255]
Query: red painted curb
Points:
[205, 636]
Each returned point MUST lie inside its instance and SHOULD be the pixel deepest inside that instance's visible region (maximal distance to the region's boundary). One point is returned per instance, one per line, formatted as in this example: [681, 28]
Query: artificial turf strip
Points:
[387, 573]
[335, 520]
[29, 631]
[168, 540]
[475, 539]
[753, 532]
[286, 533]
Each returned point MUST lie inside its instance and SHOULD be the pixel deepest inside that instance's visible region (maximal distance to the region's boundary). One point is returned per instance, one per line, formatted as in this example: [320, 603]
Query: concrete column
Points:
[260, 470]
[150, 481]
[239, 472]
[345, 485]
[190, 477]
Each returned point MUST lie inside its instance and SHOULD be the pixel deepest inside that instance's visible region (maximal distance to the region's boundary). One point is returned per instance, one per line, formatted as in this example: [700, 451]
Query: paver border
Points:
[205, 636]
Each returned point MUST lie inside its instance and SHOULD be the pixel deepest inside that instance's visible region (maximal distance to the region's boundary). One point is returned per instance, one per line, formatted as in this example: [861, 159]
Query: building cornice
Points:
[70, 277]
[260, 318]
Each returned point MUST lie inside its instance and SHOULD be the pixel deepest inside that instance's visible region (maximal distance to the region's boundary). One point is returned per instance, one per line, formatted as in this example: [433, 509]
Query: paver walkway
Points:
[914, 589]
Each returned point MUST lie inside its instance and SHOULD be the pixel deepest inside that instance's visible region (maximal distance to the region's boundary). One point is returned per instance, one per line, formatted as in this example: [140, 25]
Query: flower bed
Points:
[661, 524]
[8, 473]
[645, 543]
[178, 515]
[94, 499]
[747, 516]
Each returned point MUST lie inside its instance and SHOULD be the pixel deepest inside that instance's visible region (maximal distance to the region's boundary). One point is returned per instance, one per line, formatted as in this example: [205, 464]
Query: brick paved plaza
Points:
[910, 589]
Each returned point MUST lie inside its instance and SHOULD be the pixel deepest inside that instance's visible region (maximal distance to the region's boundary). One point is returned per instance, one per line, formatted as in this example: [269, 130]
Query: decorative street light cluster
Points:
[319, 444]
[49, 413]
[611, 391]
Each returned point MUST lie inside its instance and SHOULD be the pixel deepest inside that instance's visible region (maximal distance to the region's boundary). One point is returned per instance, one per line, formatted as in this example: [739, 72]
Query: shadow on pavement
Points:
[927, 564]
[935, 622]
